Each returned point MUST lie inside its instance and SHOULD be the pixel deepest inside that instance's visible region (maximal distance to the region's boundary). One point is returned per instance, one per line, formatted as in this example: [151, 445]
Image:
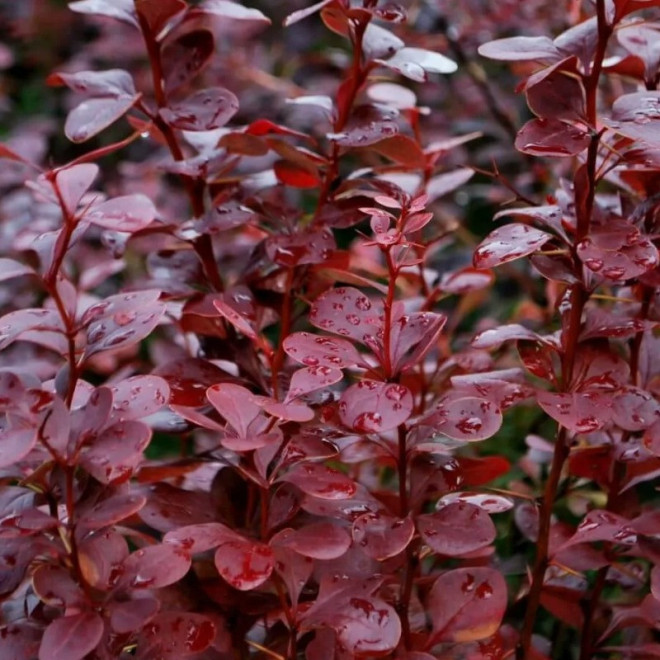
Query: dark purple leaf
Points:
[508, 243]
[158, 13]
[320, 481]
[55, 586]
[20, 640]
[551, 137]
[458, 528]
[188, 380]
[517, 49]
[370, 406]
[200, 537]
[184, 57]
[203, 110]
[474, 610]
[556, 94]
[382, 536]
[93, 115]
[71, 637]
[132, 615]
[169, 508]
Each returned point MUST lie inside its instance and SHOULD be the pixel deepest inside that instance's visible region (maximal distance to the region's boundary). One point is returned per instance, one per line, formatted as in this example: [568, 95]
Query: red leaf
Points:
[373, 407]
[71, 637]
[551, 137]
[199, 537]
[295, 175]
[203, 110]
[245, 564]
[132, 615]
[310, 379]
[188, 380]
[466, 418]
[412, 336]
[599, 525]
[321, 540]
[92, 116]
[580, 412]
[173, 635]
[158, 13]
[155, 566]
[320, 481]
[236, 404]
[634, 409]
[101, 559]
[55, 587]
[401, 149]
[129, 213]
[475, 609]
[381, 536]
[508, 243]
[554, 94]
[456, 529]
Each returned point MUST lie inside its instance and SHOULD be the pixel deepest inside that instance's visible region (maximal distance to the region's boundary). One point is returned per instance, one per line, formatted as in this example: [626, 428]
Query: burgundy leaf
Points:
[199, 537]
[92, 116]
[599, 525]
[382, 536]
[155, 566]
[117, 452]
[129, 213]
[71, 637]
[204, 110]
[102, 558]
[555, 94]
[412, 336]
[466, 418]
[73, 182]
[373, 407]
[112, 510]
[456, 529]
[551, 137]
[236, 404]
[321, 540]
[132, 615]
[317, 350]
[508, 243]
[634, 409]
[188, 379]
[516, 49]
[475, 609]
[294, 569]
[20, 640]
[173, 635]
[36, 321]
[245, 564]
[580, 412]
[310, 379]
[320, 481]
[157, 13]
[169, 508]
[184, 57]
[55, 586]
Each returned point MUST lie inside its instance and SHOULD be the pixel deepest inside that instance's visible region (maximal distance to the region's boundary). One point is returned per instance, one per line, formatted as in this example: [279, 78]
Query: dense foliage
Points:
[263, 394]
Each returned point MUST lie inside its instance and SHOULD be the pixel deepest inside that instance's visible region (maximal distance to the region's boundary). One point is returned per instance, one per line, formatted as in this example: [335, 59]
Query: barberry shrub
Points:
[261, 393]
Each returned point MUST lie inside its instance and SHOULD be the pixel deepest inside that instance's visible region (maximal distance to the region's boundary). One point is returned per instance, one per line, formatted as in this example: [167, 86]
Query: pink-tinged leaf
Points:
[155, 566]
[304, 13]
[495, 337]
[379, 42]
[381, 536]
[634, 409]
[365, 626]
[10, 268]
[551, 137]
[244, 563]
[116, 453]
[138, 397]
[55, 587]
[121, 320]
[169, 508]
[111, 83]
[321, 540]
[92, 116]
[489, 502]
[445, 183]
[364, 133]
[203, 110]
[320, 481]
[415, 63]
[466, 280]
[580, 412]
[188, 380]
[346, 311]
[158, 13]
[370, 406]
[132, 615]
[466, 418]
[508, 243]
[515, 49]
[73, 182]
[318, 350]
[231, 10]
[174, 635]
[201, 537]
[476, 606]
[412, 336]
[184, 57]
[456, 529]
[294, 569]
[292, 411]
[652, 438]
[16, 444]
[617, 255]
[129, 213]
[123, 10]
[20, 640]
[236, 404]
[310, 379]
[111, 511]
[71, 637]
[35, 321]
[599, 525]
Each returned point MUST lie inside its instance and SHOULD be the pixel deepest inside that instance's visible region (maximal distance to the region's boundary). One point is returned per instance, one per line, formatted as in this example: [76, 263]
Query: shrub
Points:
[261, 393]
